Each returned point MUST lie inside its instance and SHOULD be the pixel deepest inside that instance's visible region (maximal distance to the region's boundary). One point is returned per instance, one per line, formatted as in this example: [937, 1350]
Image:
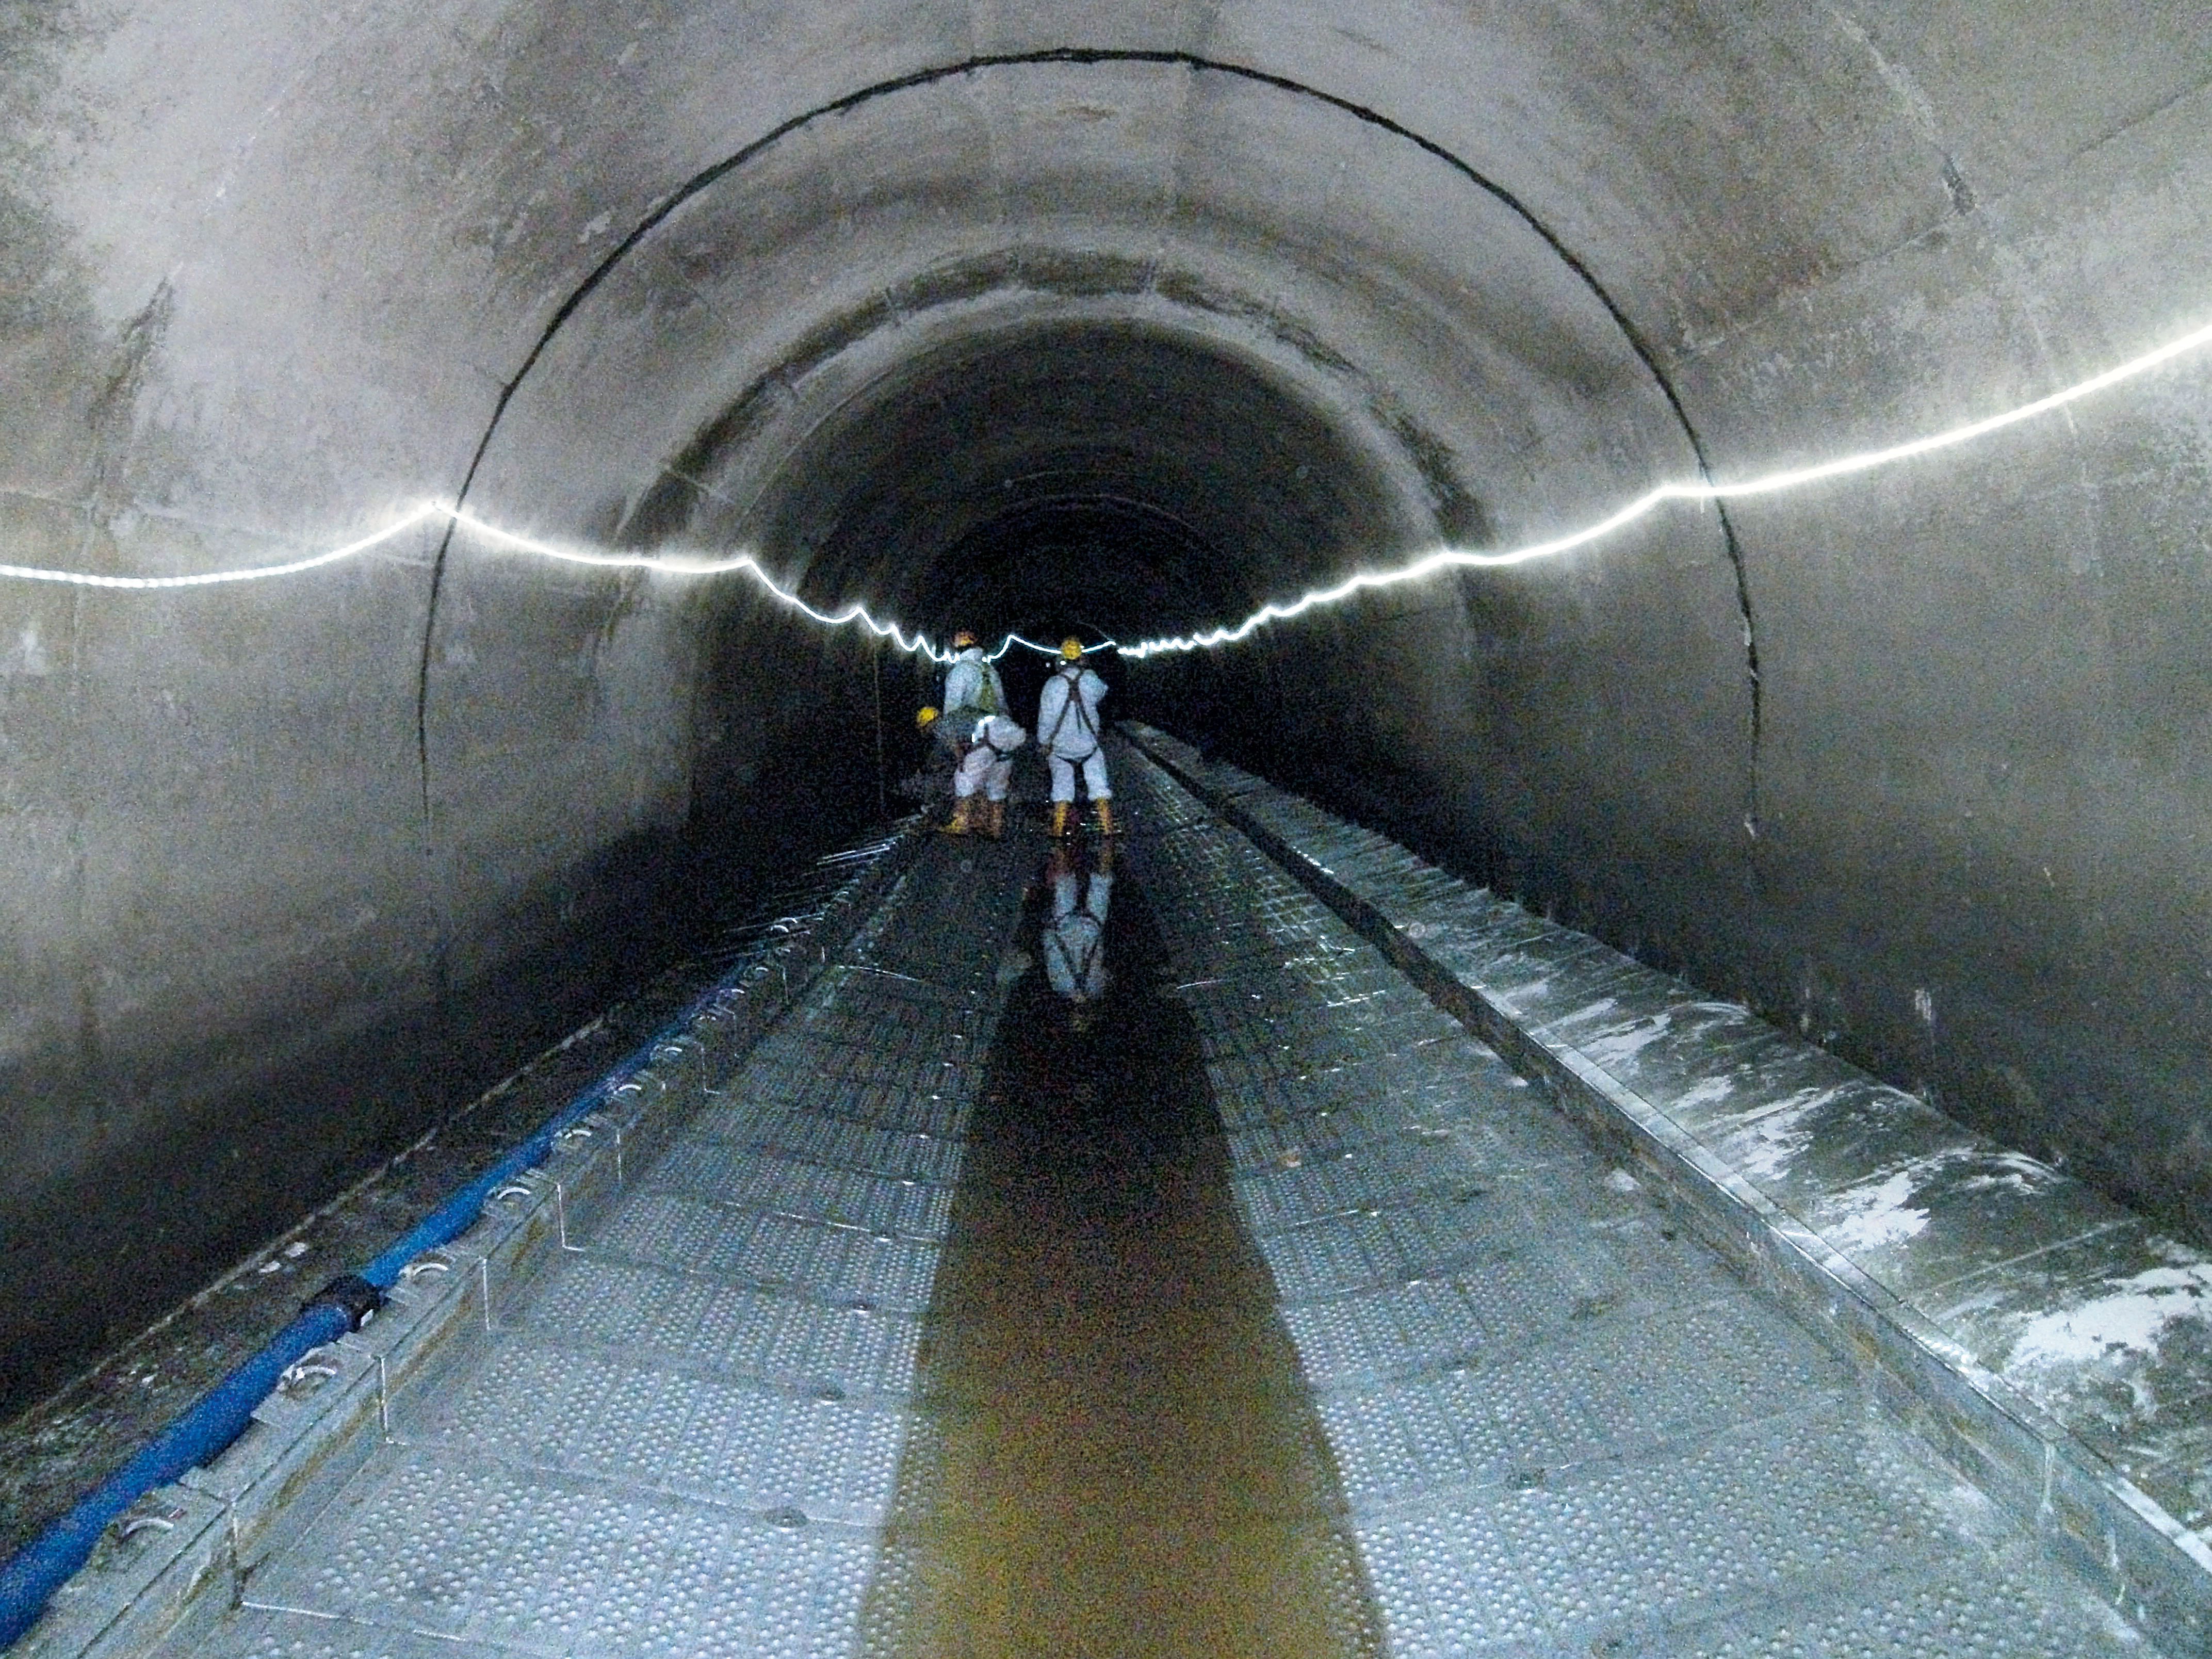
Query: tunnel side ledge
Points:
[1964, 1280]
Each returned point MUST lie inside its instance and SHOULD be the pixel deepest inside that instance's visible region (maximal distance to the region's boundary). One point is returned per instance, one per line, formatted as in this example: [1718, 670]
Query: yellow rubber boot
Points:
[961, 822]
[1105, 816]
[1060, 820]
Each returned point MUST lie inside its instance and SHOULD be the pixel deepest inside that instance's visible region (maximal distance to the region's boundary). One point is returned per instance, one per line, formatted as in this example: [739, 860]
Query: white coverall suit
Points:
[1074, 945]
[988, 764]
[972, 690]
[1067, 726]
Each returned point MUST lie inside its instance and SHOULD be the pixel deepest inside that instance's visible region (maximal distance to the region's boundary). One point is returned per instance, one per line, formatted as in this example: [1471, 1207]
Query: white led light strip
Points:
[1443, 559]
[677, 564]
[674, 564]
[1450, 559]
[432, 511]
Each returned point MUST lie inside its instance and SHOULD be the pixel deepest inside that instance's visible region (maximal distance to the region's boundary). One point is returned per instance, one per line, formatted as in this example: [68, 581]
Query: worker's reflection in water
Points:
[1121, 1461]
[1073, 943]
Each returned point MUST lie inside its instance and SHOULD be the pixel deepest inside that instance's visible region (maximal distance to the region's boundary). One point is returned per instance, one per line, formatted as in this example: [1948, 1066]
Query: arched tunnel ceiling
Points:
[1122, 193]
[907, 297]
[894, 497]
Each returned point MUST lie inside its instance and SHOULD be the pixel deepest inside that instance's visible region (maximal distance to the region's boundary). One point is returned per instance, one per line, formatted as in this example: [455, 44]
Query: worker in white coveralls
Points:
[986, 770]
[1074, 942]
[972, 687]
[1067, 726]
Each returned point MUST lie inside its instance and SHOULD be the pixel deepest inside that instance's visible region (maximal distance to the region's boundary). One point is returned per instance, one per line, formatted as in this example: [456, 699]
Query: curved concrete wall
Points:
[1045, 315]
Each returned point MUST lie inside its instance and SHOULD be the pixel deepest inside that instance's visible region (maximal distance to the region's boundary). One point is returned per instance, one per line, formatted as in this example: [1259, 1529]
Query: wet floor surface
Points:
[1244, 1306]
[682, 1442]
[1121, 1459]
[1562, 1428]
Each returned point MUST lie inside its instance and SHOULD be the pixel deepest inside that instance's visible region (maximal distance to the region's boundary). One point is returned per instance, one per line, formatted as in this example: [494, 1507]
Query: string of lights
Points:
[680, 564]
[1453, 558]
[1449, 558]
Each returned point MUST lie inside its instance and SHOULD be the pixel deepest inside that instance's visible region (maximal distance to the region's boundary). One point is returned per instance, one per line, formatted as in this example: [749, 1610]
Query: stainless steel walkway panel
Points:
[1562, 1426]
[683, 1440]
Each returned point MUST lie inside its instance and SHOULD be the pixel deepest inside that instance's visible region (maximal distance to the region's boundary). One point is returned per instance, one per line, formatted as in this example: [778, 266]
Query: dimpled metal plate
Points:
[1426, 1322]
[685, 1439]
[545, 1565]
[262, 1635]
[1383, 1170]
[1445, 1587]
[1616, 1383]
[1560, 1426]
[1330, 1257]
[842, 1266]
[752, 1180]
[700, 1437]
[883, 1105]
[845, 1144]
[735, 1330]
[1904, 1616]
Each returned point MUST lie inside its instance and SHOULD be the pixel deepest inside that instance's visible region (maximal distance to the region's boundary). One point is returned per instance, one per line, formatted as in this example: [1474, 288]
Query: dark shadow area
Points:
[96, 1260]
[1117, 1455]
[1123, 477]
[1090, 567]
[103, 1259]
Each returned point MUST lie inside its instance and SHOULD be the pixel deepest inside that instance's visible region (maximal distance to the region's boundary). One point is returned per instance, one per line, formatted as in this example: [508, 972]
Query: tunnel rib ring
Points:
[1446, 558]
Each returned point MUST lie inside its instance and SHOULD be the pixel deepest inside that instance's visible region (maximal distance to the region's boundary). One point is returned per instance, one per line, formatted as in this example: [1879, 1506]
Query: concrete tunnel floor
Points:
[962, 1318]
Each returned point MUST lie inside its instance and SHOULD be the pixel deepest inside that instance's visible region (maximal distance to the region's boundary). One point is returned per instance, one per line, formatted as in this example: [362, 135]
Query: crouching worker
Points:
[1067, 726]
[942, 759]
[987, 769]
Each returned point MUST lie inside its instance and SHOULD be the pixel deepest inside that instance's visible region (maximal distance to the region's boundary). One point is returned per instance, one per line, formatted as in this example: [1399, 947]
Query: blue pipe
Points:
[35, 1572]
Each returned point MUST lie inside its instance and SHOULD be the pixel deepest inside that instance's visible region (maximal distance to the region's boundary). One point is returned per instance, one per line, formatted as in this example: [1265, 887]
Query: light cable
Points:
[1701, 490]
[678, 564]
[250, 574]
[920, 645]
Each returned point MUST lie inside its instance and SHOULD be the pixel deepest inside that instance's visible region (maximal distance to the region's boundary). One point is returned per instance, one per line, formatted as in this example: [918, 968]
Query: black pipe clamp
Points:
[352, 1295]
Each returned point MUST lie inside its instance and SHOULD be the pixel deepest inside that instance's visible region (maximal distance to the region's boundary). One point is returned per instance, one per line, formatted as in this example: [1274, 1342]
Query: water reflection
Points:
[1074, 937]
[1116, 1457]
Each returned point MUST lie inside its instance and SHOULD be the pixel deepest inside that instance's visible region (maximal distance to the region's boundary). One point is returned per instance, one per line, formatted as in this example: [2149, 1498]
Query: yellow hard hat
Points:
[962, 640]
[924, 716]
[1072, 649]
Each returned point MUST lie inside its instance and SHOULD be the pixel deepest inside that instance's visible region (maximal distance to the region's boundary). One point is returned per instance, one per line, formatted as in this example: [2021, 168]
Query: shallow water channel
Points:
[1119, 1458]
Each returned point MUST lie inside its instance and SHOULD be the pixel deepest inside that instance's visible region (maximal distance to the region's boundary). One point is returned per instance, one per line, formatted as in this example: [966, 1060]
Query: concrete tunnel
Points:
[1119, 320]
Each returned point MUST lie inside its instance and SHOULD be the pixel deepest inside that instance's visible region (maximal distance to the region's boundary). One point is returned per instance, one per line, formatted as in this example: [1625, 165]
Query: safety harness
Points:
[1077, 963]
[1073, 706]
